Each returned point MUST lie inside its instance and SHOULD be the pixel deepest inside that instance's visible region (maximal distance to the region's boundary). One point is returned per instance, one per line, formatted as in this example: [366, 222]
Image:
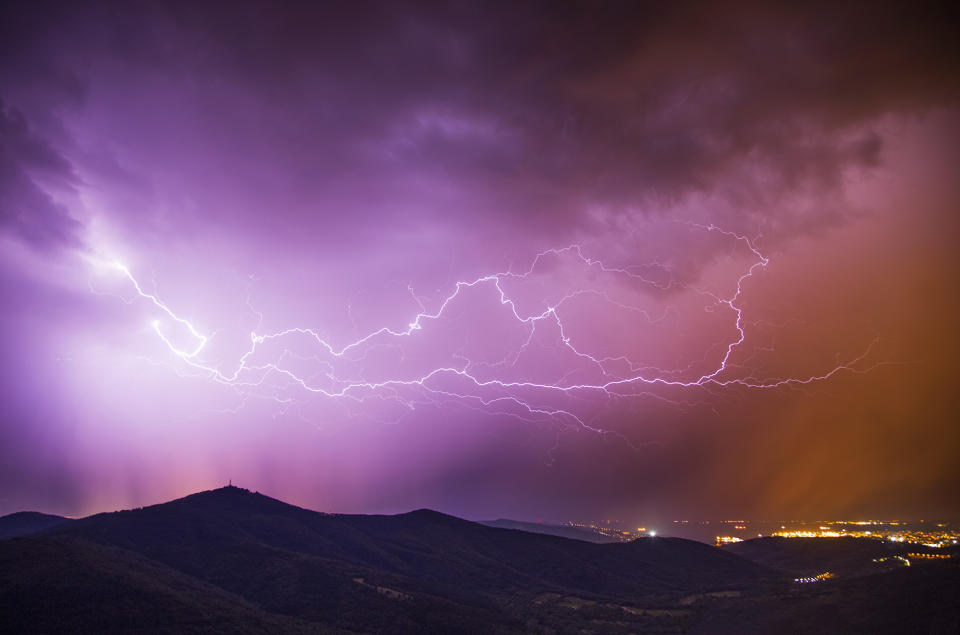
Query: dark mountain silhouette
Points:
[551, 530]
[409, 572]
[26, 523]
[433, 548]
[417, 569]
[875, 598]
[810, 556]
[66, 584]
[229, 560]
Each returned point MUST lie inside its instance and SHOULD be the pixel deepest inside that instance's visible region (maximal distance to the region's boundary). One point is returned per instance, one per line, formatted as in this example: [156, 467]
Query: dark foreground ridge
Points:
[551, 530]
[26, 523]
[230, 560]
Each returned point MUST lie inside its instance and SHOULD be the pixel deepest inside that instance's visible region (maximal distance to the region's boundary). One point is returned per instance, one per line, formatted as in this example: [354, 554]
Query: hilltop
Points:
[231, 560]
[26, 523]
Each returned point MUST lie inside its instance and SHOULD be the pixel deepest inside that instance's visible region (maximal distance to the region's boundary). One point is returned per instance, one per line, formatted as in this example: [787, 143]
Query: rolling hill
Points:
[402, 573]
[26, 523]
[551, 530]
[234, 561]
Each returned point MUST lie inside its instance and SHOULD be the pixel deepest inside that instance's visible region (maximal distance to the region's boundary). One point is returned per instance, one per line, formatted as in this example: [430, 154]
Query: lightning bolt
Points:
[516, 398]
[201, 339]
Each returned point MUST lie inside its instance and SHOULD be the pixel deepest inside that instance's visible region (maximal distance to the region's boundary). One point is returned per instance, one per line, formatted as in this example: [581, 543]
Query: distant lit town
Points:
[613, 529]
[931, 534]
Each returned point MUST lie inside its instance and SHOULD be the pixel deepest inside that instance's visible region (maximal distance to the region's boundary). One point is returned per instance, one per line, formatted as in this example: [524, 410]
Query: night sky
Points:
[529, 260]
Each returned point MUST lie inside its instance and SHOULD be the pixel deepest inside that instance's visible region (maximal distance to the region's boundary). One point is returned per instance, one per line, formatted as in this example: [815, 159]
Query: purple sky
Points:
[707, 257]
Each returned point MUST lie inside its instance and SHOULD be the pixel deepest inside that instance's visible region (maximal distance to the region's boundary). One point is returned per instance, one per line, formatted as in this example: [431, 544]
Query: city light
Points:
[817, 578]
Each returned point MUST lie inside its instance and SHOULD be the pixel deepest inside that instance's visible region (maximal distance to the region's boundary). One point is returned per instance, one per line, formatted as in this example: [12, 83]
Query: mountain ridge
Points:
[409, 572]
[231, 560]
[28, 522]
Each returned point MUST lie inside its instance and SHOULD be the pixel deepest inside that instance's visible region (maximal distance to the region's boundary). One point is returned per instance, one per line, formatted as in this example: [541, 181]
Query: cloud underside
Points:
[529, 116]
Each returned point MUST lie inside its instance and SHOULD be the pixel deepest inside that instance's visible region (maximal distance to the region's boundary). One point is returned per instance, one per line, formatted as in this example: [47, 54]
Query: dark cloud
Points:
[529, 113]
[341, 151]
[29, 168]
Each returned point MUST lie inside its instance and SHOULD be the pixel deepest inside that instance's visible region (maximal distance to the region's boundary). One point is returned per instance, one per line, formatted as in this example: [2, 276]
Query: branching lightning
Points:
[523, 398]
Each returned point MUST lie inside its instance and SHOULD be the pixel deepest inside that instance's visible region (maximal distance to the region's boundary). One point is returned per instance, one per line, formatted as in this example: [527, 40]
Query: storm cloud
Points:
[340, 166]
